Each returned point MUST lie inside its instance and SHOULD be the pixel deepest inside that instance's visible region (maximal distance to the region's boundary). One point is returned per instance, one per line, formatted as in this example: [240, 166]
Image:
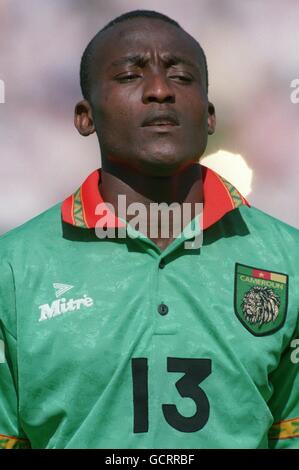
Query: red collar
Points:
[220, 197]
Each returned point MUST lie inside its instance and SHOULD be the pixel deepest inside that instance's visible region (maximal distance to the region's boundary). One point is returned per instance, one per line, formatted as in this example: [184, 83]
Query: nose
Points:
[157, 89]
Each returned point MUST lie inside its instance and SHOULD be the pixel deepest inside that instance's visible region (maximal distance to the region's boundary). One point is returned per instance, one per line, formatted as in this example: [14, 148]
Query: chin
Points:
[161, 165]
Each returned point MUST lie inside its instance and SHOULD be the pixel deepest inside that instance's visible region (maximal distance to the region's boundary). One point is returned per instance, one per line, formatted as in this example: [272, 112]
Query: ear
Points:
[211, 118]
[83, 119]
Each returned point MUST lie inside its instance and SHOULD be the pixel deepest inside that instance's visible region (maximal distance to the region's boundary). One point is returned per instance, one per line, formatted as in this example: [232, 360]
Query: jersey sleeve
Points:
[11, 434]
[284, 403]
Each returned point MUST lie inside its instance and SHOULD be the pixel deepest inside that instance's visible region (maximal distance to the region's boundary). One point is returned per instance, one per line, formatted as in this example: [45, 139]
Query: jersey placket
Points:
[164, 327]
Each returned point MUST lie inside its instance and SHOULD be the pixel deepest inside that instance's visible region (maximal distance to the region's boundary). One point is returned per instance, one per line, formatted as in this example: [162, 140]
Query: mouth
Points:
[161, 128]
[158, 123]
[161, 121]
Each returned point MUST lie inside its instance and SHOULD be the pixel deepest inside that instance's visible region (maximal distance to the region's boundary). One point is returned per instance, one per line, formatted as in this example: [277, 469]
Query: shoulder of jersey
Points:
[269, 220]
[264, 225]
[42, 226]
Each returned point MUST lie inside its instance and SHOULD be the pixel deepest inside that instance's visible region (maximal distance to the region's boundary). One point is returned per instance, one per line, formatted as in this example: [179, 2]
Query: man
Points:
[129, 338]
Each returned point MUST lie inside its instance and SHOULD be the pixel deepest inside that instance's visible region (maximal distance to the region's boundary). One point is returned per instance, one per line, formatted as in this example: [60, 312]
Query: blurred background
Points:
[252, 49]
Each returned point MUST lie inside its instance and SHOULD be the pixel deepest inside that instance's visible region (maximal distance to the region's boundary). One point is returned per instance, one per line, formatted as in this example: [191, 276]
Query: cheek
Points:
[116, 121]
[195, 112]
[116, 107]
[199, 113]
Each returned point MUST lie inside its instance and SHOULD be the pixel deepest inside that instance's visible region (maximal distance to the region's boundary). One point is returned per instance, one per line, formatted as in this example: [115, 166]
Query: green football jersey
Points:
[113, 343]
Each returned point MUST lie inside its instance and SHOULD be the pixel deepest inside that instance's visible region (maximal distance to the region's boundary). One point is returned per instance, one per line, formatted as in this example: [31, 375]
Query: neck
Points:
[183, 187]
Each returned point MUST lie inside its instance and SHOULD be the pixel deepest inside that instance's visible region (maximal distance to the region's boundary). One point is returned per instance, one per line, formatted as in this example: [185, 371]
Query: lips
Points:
[159, 119]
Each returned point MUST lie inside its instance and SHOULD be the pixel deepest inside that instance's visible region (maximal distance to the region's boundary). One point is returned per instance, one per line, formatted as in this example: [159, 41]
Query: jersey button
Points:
[162, 263]
[163, 309]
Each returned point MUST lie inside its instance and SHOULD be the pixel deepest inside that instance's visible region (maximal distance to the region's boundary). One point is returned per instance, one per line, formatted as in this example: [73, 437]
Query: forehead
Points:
[143, 36]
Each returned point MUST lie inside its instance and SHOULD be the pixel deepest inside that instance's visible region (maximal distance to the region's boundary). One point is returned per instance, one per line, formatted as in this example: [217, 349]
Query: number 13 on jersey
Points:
[195, 371]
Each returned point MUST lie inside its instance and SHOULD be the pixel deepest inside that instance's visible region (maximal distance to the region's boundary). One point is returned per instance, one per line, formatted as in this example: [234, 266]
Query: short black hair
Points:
[85, 78]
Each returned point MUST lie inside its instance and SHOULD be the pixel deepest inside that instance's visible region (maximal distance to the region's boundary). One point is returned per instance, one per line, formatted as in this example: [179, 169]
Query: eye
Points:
[182, 78]
[127, 77]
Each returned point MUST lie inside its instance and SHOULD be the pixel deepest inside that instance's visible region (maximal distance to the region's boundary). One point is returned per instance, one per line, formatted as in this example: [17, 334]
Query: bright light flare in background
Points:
[232, 167]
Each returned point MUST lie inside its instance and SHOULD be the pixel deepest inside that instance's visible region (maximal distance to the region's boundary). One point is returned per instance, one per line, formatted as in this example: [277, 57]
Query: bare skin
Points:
[150, 110]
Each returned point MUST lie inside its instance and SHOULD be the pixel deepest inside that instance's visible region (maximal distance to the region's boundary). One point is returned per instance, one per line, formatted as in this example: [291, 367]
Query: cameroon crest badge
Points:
[261, 299]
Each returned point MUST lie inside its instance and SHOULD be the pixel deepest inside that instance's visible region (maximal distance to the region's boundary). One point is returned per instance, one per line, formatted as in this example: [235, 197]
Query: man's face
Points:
[148, 97]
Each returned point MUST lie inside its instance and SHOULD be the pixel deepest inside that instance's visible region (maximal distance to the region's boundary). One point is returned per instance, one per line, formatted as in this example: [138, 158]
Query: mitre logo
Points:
[62, 305]
[61, 288]
[261, 299]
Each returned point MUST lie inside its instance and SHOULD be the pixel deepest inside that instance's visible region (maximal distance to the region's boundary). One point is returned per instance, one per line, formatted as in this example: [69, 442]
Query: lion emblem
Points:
[260, 305]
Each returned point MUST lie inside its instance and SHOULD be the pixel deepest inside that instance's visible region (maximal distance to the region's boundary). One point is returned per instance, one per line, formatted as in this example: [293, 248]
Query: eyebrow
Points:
[141, 60]
[133, 59]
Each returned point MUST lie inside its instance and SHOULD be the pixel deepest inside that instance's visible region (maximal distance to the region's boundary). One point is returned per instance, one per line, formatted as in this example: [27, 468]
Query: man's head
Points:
[145, 82]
